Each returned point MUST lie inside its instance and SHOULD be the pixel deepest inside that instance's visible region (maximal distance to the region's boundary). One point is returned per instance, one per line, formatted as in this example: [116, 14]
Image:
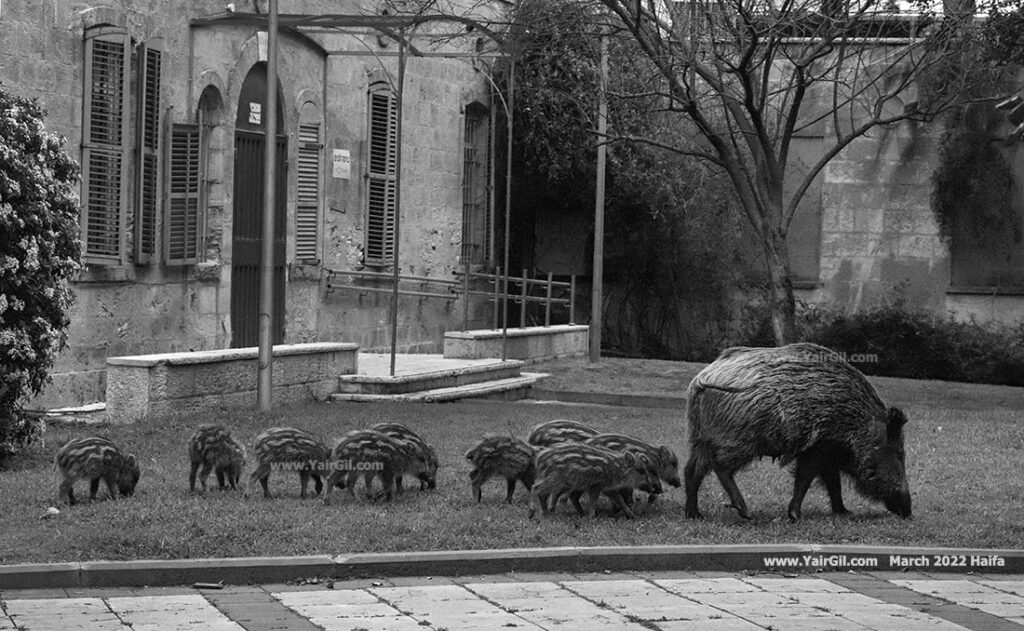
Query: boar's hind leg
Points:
[727, 478]
[696, 468]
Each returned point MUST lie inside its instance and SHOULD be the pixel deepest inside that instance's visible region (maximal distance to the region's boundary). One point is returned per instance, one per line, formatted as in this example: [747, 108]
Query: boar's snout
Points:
[899, 504]
[675, 482]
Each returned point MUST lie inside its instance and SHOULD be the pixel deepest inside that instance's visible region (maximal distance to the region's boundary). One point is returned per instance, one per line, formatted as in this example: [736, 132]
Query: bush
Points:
[903, 342]
[920, 345]
[39, 252]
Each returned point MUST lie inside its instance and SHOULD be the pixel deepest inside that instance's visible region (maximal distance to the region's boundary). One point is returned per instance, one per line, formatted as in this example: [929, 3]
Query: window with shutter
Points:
[307, 197]
[381, 175]
[475, 207]
[104, 145]
[183, 220]
[147, 148]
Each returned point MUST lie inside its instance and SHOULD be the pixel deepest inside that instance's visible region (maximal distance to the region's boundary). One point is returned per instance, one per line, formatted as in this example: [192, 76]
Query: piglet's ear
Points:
[895, 420]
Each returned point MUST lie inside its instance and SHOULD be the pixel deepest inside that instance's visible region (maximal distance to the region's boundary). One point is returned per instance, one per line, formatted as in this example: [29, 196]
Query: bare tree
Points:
[746, 77]
[750, 75]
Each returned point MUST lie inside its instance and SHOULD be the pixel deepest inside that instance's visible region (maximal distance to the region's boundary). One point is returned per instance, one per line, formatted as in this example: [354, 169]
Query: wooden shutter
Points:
[183, 220]
[307, 197]
[104, 145]
[381, 172]
[147, 149]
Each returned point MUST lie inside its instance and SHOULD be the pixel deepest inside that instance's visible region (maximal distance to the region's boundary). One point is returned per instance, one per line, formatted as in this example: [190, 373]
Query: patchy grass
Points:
[652, 377]
[965, 445]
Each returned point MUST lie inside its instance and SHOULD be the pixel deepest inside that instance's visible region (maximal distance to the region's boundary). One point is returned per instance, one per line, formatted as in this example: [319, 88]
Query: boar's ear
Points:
[895, 420]
[630, 458]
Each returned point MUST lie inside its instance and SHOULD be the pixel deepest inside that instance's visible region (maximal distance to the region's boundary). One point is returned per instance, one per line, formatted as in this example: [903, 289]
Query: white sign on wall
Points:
[342, 164]
[255, 113]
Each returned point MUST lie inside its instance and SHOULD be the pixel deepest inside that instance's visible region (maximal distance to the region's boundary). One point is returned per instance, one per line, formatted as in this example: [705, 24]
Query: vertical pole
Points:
[508, 204]
[398, 196]
[497, 288]
[547, 303]
[598, 275]
[572, 299]
[265, 381]
[522, 309]
[465, 295]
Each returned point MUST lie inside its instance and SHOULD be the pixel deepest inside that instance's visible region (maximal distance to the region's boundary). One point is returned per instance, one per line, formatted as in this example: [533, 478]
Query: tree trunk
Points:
[783, 305]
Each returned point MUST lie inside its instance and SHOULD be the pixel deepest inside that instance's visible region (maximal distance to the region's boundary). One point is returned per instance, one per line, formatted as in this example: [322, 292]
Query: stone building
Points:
[163, 105]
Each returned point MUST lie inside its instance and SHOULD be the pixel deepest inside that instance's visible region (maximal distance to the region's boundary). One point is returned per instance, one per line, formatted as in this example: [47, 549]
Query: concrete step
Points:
[426, 373]
[508, 386]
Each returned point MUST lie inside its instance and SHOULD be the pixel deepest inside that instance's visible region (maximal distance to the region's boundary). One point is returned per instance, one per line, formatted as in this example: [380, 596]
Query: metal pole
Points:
[497, 288]
[265, 381]
[508, 204]
[598, 275]
[547, 303]
[398, 195]
[465, 295]
[572, 299]
[522, 306]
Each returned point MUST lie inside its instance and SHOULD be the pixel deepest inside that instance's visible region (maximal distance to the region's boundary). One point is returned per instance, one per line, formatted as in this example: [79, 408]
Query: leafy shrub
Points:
[921, 345]
[903, 342]
[39, 252]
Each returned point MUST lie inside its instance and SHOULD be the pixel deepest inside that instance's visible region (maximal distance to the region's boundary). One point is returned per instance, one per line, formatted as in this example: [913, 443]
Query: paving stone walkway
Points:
[668, 601]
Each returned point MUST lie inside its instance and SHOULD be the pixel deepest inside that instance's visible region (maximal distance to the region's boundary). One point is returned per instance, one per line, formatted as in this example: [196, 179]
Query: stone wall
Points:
[184, 383]
[879, 236]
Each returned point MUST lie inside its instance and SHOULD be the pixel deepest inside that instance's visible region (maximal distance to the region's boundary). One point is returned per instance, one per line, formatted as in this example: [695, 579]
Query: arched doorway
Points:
[248, 214]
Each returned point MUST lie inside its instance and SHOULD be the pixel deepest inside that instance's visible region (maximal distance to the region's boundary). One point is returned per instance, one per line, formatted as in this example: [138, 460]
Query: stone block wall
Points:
[533, 343]
[181, 383]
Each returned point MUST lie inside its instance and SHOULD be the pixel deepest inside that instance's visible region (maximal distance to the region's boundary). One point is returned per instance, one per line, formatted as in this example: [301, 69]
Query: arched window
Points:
[185, 221]
[476, 215]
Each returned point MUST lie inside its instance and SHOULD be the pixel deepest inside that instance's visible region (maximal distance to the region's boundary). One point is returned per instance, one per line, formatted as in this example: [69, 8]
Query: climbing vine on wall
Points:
[972, 193]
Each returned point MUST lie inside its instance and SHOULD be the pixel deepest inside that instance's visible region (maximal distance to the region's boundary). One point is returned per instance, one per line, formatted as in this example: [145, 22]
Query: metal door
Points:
[248, 228]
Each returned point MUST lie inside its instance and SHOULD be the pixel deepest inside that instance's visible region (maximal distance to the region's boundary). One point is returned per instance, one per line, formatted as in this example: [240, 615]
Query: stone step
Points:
[431, 373]
[509, 386]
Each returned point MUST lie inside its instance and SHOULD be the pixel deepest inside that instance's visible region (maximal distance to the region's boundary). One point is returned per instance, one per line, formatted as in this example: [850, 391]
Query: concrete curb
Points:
[788, 558]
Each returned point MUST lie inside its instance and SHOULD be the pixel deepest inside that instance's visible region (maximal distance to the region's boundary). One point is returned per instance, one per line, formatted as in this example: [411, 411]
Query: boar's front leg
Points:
[830, 476]
[806, 471]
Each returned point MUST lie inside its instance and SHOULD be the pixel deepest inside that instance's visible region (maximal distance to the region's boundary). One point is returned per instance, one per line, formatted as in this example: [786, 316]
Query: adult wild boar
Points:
[802, 403]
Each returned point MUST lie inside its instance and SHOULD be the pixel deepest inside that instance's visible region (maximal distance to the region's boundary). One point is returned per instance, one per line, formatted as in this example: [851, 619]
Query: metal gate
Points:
[245, 249]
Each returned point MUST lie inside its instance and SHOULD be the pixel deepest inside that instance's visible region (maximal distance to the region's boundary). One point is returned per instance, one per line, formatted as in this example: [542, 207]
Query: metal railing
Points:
[520, 290]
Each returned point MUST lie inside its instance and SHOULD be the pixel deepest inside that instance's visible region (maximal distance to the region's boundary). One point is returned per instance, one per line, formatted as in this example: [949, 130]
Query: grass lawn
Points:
[965, 448]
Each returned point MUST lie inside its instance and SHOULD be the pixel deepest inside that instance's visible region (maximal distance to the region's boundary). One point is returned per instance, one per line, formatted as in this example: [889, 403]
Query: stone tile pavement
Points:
[667, 601]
